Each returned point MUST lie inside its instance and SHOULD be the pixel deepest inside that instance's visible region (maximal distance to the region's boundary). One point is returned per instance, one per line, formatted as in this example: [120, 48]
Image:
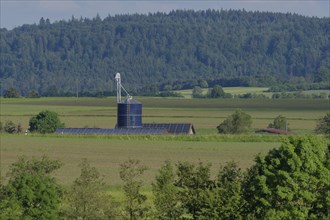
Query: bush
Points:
[10, 127]
[197, 92]
[45, 122]
[237, 123]
[11, 93]
[280, 122]
[323, 125]
[19, 128]
[216, 92]
[33, 94]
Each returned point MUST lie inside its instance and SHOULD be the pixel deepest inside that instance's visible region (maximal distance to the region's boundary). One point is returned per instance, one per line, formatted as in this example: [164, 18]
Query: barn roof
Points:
[148, 128]
[117, 131]
[172, 128]
[273, 131]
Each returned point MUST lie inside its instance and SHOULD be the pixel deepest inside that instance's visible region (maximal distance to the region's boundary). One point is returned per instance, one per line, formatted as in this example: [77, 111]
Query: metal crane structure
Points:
[119, 87]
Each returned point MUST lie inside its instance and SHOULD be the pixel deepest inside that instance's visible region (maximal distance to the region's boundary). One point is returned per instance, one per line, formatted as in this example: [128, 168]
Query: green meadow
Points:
[233, 90]
[107, 152]
[205, 114]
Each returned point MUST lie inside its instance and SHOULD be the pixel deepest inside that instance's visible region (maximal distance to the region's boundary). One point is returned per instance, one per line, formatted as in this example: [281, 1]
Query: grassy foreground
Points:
[107, 153]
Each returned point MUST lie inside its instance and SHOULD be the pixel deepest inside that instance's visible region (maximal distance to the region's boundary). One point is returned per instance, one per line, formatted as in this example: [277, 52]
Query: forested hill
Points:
[178, 49]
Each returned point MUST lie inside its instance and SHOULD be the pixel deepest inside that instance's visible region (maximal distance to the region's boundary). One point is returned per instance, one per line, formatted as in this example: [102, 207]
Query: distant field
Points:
[233, 90]
[254, 90]
[205, 114]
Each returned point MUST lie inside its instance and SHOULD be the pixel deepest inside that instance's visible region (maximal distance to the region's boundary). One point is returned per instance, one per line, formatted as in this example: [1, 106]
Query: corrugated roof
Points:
[273, 131]
[172, 128]
[128, 131]
[148, 128]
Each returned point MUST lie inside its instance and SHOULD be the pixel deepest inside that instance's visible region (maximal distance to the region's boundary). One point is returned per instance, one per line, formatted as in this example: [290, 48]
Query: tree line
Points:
[155, 51]
[290, 182]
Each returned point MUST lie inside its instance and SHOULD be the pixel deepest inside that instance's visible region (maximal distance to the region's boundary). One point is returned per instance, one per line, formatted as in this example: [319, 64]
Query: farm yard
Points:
[106, 153]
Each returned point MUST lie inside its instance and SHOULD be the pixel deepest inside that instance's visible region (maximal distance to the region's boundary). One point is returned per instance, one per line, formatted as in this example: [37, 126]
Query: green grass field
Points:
[233, 90]
[254, 90]
[205, 114]
[106, 153]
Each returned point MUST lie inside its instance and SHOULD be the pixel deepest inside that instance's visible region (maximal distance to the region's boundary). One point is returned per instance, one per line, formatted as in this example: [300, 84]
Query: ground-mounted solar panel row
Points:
[173, 128]
[151, 128]
[119, 131]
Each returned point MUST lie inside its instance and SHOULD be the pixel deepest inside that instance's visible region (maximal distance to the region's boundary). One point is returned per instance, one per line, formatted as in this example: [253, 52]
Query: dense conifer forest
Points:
[174, 50]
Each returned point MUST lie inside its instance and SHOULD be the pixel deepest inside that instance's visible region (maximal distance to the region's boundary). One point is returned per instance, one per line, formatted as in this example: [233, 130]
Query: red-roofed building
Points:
[273, 131]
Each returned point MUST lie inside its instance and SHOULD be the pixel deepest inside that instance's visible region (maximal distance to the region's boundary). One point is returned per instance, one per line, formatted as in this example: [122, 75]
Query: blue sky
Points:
[15, 13]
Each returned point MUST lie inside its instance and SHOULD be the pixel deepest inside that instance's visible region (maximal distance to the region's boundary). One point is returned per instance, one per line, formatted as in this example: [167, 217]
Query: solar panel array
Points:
[148, 128]
[172, 128]
[124, 131]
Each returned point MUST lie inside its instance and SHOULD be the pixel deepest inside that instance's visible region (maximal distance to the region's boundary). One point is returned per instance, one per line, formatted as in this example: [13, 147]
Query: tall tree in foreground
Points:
[225, 200]
[194, 183]
[130, 173]
[31, 192]
[290, 182]
[87, 198]
[166, 200]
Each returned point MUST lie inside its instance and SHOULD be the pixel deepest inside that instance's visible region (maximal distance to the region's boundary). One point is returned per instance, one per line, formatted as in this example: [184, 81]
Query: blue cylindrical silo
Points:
[129, 114]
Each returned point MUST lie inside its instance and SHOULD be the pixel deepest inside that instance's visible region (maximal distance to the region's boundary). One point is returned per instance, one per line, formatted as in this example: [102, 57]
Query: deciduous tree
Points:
[10, 127]
[323, 125]
[216, 92]
[166, 200]
[194, 183]
[11, 93]
[237, 123]
[45, 122]
[290, 182]
[197, 92]
[225, 199]
[280, 122]
[130, 173]
[87, 198]
[31, 193]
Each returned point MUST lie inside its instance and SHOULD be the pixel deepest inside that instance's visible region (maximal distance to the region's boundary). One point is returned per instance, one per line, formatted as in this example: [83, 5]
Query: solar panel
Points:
[172, 128]
[84, 131]
[148, 128]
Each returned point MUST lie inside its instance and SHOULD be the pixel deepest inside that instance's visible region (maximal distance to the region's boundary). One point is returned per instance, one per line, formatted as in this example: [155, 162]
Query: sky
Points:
[14, 13]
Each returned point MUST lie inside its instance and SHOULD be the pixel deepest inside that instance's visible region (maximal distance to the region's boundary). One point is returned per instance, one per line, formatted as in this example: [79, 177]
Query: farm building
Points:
[273, 131]
[152, 128]
[129, 121]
